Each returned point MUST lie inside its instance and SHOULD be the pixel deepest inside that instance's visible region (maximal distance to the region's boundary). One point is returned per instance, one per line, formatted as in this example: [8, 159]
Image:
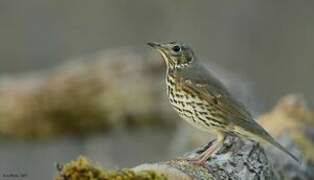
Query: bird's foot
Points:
[198, 160]
[202, 158]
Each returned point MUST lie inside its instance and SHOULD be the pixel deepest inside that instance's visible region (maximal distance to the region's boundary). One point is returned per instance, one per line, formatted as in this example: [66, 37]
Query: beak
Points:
[161, 48]
[154, 44]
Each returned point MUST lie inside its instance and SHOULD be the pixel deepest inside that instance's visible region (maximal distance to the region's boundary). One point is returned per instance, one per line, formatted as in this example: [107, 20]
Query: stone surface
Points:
[236, 160]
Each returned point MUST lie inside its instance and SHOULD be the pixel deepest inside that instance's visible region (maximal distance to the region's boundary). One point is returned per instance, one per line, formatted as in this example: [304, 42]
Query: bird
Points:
[204, 102]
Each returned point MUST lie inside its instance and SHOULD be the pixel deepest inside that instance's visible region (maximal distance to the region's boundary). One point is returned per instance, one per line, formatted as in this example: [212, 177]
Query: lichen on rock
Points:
[82, 169]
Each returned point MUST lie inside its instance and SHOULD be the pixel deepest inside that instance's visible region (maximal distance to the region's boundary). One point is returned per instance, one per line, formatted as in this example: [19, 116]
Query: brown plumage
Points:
[204, 102]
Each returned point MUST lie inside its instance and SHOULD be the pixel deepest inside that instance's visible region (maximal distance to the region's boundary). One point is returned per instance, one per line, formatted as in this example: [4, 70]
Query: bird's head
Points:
[175, 55]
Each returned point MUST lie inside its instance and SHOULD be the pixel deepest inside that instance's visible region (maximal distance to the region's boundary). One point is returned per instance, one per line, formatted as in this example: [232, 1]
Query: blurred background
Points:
[76, 77]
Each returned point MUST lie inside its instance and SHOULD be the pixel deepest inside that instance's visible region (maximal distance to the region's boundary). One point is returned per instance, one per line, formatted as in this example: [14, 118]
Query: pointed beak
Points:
[162, 50]
[154, 44]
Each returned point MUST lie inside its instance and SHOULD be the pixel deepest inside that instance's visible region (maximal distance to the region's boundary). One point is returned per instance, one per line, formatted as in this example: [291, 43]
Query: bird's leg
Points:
[202, 158]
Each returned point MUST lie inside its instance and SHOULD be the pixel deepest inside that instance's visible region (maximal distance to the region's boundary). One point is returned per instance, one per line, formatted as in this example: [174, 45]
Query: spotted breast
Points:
[190, 107]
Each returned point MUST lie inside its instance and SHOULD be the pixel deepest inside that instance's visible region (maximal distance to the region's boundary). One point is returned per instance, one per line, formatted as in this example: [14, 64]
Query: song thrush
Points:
[204, 102]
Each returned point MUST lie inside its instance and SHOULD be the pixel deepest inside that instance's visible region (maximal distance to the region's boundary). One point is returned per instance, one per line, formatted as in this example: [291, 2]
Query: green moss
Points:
[82, 169]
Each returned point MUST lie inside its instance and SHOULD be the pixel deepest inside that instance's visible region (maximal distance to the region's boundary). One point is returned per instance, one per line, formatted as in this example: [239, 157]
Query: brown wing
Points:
[223, 101]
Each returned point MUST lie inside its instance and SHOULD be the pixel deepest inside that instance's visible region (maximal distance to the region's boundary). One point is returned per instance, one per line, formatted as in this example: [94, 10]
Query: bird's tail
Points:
[259, 133]
[272, 141]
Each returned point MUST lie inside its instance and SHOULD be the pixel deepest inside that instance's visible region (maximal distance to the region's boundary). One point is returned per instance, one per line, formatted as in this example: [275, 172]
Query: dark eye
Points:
[176, 48]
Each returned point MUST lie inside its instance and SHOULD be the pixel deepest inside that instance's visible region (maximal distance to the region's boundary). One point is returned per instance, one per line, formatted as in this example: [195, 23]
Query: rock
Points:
[83, 169]
[237, 160]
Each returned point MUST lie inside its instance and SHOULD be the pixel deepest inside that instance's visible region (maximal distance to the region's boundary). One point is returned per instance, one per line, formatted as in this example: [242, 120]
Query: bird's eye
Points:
[176, 48]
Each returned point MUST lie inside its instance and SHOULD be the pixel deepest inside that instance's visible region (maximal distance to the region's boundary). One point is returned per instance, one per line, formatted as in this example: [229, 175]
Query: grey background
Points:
[268, 43]
[271, 42]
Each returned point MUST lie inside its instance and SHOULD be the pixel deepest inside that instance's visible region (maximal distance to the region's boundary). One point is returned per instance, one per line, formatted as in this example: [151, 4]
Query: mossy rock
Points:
[82, 169]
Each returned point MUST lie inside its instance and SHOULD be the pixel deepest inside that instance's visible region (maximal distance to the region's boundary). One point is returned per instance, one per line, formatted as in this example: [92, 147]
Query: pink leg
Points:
[202, 158]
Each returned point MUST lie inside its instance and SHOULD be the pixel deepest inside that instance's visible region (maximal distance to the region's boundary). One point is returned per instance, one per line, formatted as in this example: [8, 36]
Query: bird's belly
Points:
[196, 123]
[193, 110]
